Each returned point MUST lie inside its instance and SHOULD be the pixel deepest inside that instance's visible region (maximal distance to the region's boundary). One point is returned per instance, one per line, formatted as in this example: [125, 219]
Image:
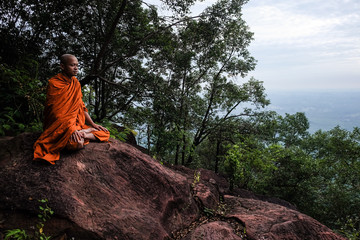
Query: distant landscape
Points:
[324, 109]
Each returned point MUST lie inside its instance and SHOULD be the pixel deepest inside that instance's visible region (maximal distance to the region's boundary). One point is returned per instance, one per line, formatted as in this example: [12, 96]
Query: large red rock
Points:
[114, 191]
[214, 230]
[265, 220]
[108, 190]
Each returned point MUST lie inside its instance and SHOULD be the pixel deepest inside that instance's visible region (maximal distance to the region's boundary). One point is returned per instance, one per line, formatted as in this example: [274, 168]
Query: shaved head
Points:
[69, 65]
[64, 59]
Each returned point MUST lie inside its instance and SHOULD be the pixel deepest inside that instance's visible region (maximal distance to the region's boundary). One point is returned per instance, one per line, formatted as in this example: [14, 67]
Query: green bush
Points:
[350, 229]
[44, 214]
[23, 95]
[248, 164]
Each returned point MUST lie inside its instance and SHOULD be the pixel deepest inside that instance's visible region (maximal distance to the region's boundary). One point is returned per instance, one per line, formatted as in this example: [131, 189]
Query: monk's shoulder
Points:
[57, 81]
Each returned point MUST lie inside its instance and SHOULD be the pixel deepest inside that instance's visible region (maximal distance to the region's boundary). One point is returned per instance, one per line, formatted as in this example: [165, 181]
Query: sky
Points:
[306, 46]
[303, 44]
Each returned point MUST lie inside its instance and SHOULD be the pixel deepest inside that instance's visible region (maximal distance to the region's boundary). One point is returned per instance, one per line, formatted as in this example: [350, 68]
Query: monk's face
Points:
[70, 67]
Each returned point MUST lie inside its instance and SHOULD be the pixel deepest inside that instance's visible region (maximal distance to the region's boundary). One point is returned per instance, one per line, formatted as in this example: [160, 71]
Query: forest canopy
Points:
[179, 81]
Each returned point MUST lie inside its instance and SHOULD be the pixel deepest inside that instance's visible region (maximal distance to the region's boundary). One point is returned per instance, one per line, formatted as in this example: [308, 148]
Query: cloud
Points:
[281, 24]
[305, 44]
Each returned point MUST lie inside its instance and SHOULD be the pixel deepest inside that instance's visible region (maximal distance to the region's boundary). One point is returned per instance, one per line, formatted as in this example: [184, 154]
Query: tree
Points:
[197, 89]
[338, 154]
[293, 128]
[21, 98]
[249, 164]
[112, 39]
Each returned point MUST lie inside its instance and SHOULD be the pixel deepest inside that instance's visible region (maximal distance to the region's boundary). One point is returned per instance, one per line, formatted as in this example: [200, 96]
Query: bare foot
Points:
[90, 136]
[86, 133]
[88, 130]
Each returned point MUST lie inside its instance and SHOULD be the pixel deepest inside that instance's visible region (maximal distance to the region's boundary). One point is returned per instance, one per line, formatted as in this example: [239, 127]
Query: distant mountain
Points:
[324, 109]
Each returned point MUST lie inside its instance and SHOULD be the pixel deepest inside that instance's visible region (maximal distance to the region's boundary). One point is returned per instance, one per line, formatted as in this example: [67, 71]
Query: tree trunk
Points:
[183, 150]
[218, 144]
[177, 154]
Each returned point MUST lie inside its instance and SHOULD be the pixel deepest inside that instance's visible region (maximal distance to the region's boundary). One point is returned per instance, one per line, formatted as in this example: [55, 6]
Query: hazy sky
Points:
[305, 44]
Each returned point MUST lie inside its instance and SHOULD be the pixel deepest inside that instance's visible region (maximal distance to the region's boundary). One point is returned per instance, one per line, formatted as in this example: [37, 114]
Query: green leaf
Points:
[6, 126]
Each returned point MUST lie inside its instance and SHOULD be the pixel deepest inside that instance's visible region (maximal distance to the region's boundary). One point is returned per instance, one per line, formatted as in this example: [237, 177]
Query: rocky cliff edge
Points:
[114, 191]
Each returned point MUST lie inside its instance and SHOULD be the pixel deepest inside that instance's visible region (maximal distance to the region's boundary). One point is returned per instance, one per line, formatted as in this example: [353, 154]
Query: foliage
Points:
[197, 89]
[316, 172]
[295, 178]
[249, 165]
[45, 213]
[119, 133]
[338, 155]
[22, 95]
[17, 234]
[232, 165]
[116, 132]
[351, 228]
[293, 128]
[196, 180]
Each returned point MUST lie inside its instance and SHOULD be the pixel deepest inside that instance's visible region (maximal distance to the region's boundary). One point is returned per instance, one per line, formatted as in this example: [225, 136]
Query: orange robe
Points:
[64, 113]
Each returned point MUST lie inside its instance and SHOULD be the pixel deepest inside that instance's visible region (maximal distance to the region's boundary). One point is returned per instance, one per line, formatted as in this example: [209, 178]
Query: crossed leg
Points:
[88, 133]
[81, 137]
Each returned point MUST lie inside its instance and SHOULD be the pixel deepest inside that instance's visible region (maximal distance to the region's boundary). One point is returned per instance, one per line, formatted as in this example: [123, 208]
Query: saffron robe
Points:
[64, 113]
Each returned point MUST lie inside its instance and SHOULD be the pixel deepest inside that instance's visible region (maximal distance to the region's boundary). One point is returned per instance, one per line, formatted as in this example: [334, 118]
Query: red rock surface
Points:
[114, 191]
[214, 230]
[264, 220]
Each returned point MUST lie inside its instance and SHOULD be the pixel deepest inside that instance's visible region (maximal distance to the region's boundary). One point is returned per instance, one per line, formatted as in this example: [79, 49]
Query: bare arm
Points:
[92, 124]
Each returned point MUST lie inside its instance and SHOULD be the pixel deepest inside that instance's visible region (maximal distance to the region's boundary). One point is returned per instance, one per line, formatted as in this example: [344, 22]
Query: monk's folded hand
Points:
[77, 136]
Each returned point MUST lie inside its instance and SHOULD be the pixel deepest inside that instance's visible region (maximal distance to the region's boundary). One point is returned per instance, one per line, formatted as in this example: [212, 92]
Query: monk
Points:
[65, 115]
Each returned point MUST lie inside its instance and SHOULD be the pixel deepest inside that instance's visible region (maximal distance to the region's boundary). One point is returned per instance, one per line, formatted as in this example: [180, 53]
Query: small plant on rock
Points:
[45, 213]
[197, 175]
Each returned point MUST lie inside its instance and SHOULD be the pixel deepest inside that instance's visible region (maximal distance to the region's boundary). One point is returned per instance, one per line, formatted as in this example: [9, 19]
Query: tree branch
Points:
[106, 43]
